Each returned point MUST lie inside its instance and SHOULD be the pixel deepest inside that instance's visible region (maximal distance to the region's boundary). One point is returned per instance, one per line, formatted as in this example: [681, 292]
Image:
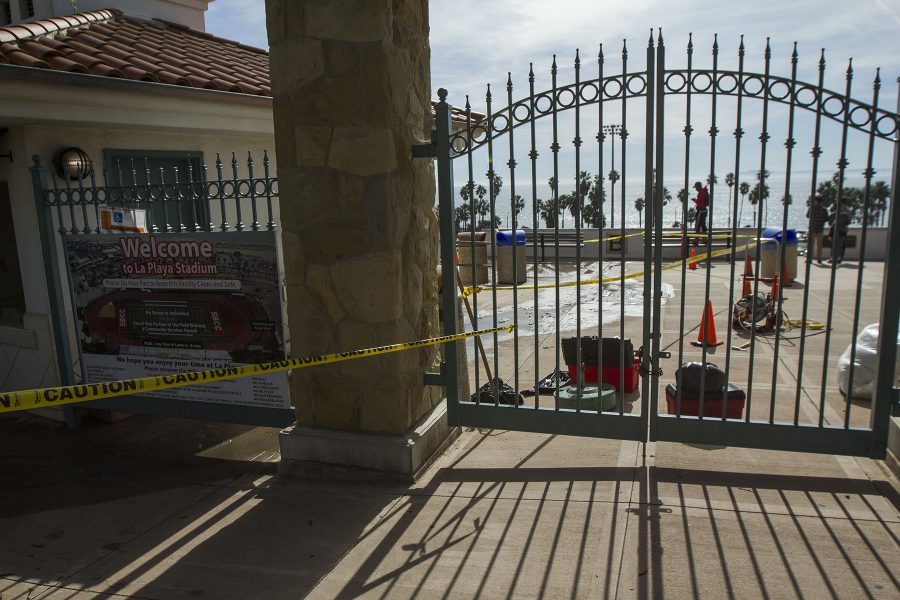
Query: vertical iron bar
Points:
[270, 222]
[495, 384]
[255, 224]
[652, 198]
[882, 402]
[95, 198]
[816, 152]
[579, 389]
[134, 187]
[789, 144]
[601, 225]
[842, 166]
[738, 136]
[448, 263]
[869, 172]
[471, 184]
[56, 196]
[220, 181]
[533, 154]
[86, 228]
[195, 224]
[71, 202]
[151, 221]
[165, 200]
[177, 188]
[623, 136]
[685, 240]
[239, 224]
[515, 247]
[763, 139]
[207, 200]
[555, 149]
[711, 182]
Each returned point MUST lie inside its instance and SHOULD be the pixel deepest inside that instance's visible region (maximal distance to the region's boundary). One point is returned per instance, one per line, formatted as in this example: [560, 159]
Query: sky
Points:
[475, 43]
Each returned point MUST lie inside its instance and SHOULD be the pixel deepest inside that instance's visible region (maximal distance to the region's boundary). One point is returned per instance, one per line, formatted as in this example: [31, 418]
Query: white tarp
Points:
[866, 361]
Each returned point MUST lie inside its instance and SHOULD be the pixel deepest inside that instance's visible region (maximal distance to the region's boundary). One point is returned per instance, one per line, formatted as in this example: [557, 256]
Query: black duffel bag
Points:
[688, 375]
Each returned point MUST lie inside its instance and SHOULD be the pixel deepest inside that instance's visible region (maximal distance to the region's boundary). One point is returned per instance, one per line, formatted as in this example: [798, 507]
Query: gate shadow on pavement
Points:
[524, 529]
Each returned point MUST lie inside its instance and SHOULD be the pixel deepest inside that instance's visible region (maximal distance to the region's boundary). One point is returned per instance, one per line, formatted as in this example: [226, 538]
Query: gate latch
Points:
[645, 369]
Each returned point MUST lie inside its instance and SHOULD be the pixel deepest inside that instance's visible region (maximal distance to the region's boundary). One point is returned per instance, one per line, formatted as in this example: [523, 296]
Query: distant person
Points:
[702, 203]
[818, 216]
[840, 227]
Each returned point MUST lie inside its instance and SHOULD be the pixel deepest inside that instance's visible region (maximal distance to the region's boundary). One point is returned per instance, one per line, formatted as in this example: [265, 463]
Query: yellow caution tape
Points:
[809, 324]
[469, 291]
[41, 398]
[613, 238]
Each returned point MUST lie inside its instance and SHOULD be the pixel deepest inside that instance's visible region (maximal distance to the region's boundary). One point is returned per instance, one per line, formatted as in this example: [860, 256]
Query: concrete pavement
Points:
[162, 508]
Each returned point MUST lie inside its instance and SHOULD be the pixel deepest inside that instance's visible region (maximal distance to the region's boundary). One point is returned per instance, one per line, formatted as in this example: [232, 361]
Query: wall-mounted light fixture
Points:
[72, 163]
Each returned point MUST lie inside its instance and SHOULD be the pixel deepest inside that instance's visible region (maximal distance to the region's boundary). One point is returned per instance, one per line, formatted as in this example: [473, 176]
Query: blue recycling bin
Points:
[505, 237]
[509, 245]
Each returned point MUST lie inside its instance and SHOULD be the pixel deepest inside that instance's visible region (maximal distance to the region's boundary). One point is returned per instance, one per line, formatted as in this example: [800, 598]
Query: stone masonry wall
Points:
[351, 88]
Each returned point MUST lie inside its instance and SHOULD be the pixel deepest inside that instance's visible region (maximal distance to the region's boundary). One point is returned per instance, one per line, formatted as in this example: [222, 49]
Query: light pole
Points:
[612, 131]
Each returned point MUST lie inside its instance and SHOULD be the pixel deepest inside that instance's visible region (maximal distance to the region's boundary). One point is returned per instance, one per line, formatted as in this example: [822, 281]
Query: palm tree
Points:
[463, 215]
[880, 192]
[729, 181]
[548, 213]
[760, 193]
[639, 206]
[518, 205]
[744, 190]
[711, 179]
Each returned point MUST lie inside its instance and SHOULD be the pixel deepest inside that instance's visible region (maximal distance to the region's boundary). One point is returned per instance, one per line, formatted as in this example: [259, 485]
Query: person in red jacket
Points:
[702, 202]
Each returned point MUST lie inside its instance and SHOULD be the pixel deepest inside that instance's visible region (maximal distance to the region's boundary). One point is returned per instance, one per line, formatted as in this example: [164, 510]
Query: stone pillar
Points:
[351, 87]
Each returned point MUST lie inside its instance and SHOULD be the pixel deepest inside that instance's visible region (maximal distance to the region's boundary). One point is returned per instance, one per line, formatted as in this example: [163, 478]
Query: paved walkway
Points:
[161, 508]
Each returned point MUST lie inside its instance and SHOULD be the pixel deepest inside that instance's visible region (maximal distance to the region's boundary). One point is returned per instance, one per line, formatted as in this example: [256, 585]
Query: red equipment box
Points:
[611, 375]
[712, 405]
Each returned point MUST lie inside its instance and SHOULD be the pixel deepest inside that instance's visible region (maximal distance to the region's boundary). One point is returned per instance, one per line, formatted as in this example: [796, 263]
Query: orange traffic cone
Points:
[748, 266]
[707, 335]
[747, 289]
[776, 287]
[692, 264]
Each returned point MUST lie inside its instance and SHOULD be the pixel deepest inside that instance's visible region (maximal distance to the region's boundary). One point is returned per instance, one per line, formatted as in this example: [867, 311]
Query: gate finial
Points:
[659, 39]
[530, 72]
[600, 55]
[690, 47]
[741, 47]
[442, 94]
[794, 55]
[624, 49]
[715, 49]
[850, 69]
[768, 52]
[553, 66]
[509, 85]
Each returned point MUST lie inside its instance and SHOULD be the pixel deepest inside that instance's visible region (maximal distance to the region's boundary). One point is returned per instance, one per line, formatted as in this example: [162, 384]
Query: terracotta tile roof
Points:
[110, 44]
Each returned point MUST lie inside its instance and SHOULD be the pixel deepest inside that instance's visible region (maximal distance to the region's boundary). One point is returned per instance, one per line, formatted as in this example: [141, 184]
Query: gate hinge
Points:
[428, 150]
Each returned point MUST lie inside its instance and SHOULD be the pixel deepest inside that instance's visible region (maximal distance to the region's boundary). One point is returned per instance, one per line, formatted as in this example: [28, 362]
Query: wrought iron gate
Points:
[791, 414]
[231, 201]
